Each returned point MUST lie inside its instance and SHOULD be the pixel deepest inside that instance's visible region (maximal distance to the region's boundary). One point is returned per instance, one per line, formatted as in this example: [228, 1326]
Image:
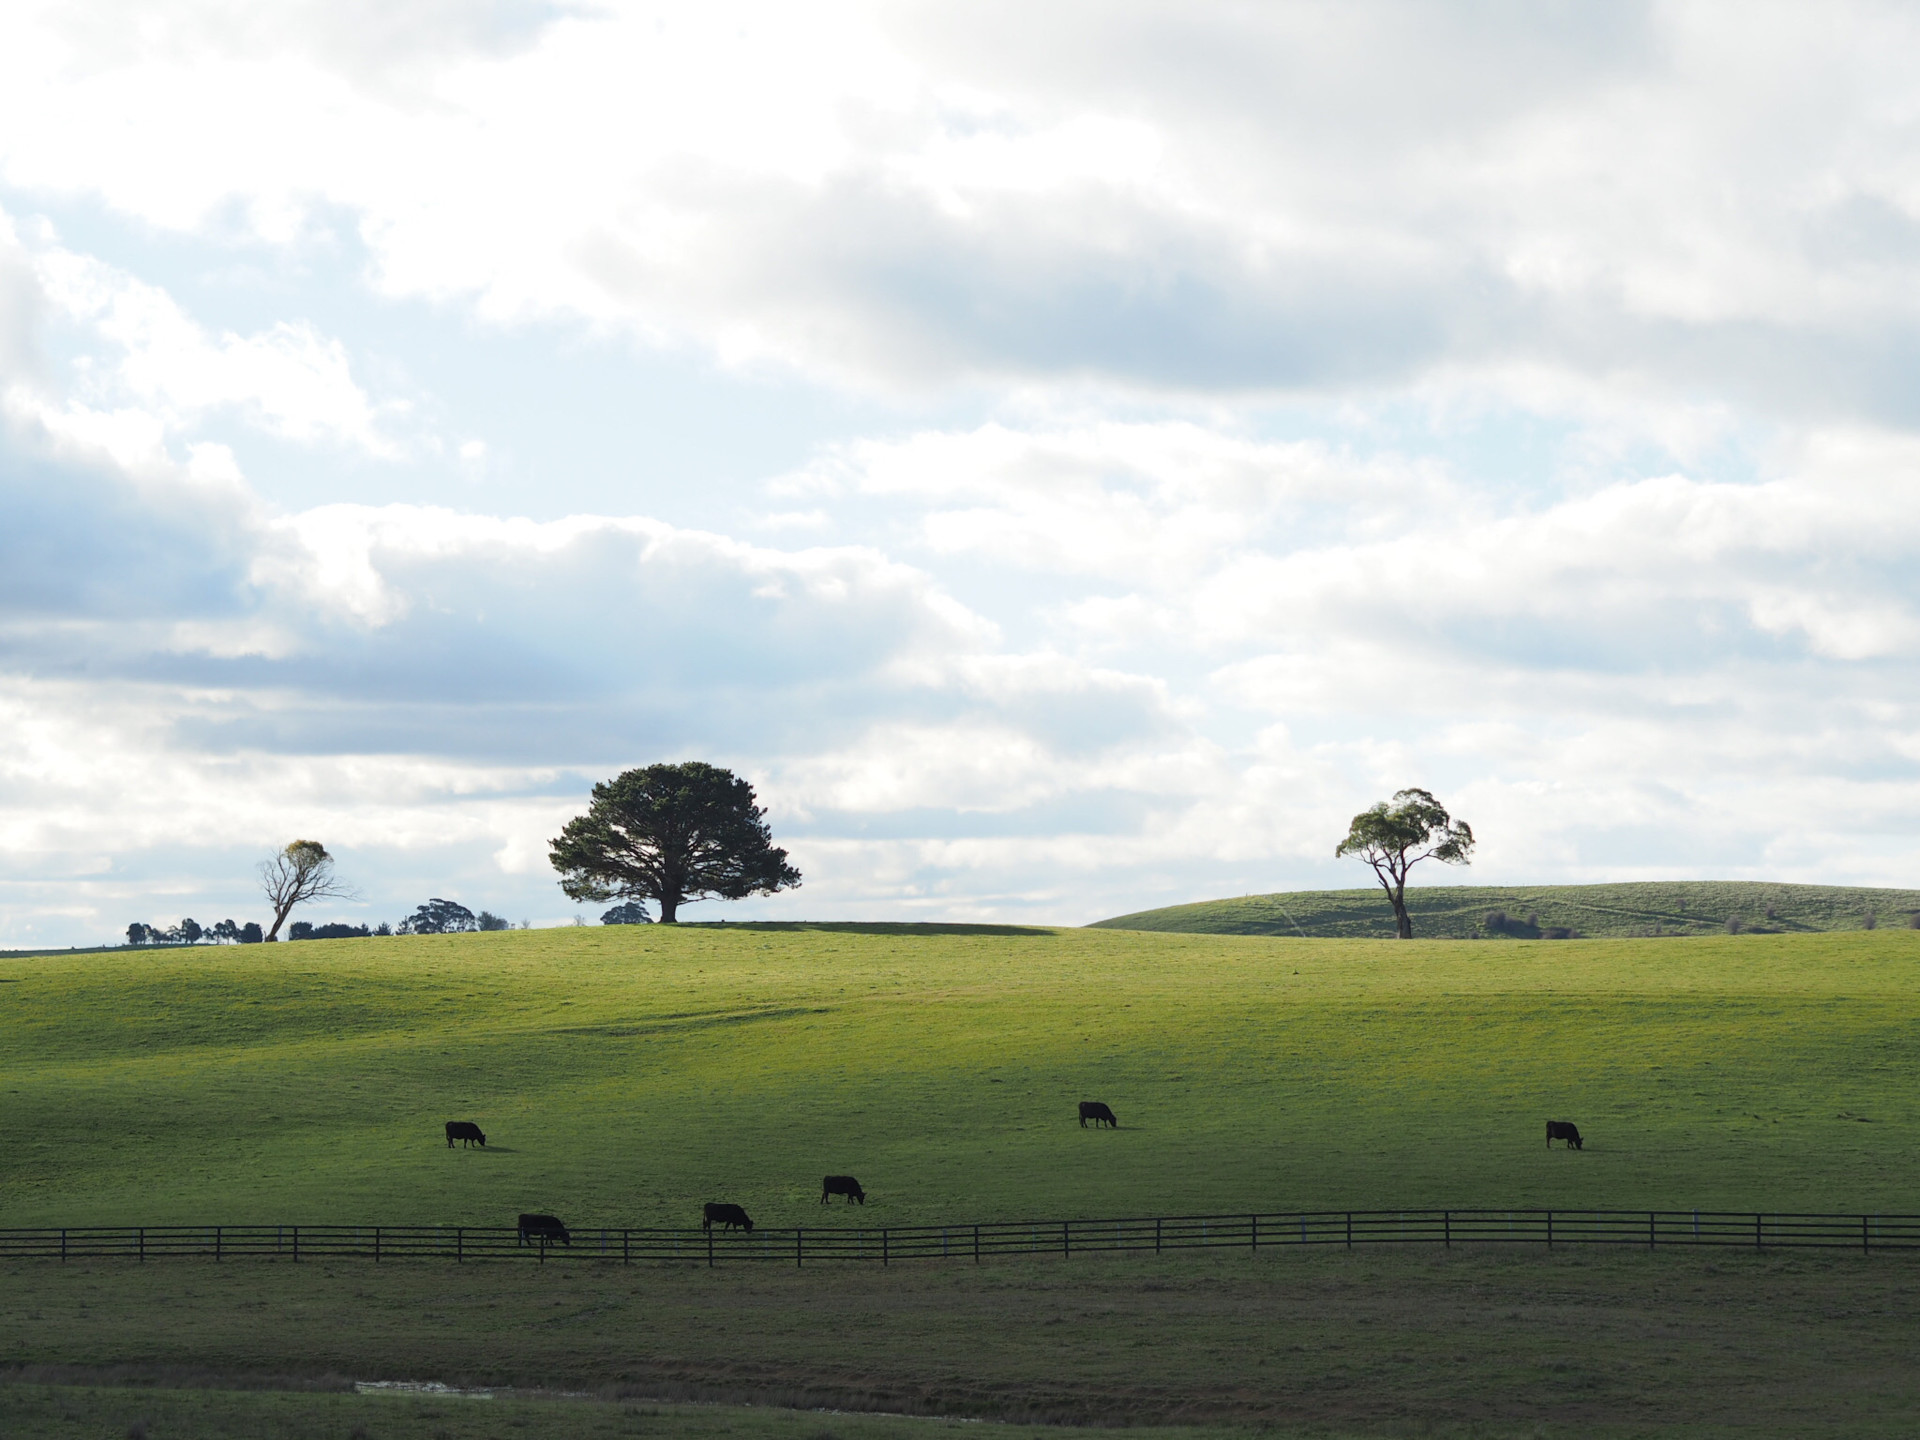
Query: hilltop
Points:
[1467, 912]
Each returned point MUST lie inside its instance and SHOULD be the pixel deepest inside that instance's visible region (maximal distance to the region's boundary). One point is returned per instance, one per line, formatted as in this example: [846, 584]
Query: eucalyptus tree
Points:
[1394, 838]
[301, 873]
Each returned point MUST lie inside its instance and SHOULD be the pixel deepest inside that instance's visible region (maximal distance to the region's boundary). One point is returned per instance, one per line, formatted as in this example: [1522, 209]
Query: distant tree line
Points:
[191, 932]
[436, 917]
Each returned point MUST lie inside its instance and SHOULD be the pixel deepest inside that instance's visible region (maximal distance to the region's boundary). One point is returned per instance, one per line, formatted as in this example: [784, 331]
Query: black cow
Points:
[543, 1230]
[1100, 1115]
[1564, 1130]
[727, 1215]
[465, 1130]
[842, 1185]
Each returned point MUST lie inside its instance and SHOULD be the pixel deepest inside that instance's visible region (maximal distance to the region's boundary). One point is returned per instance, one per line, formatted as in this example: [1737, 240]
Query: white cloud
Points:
[1259, 409]
[145, 371]
[1297, 196]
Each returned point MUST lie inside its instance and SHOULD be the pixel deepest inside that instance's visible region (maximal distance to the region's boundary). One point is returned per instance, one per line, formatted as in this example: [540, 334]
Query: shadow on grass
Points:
[873, 927]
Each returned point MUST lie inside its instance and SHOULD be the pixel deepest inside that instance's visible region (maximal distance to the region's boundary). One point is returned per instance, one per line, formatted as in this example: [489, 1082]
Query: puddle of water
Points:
[418, 1387]
[455, 1392]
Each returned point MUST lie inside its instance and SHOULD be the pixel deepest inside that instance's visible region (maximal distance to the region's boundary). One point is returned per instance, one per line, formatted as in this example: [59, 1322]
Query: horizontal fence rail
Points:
[1652, 1229]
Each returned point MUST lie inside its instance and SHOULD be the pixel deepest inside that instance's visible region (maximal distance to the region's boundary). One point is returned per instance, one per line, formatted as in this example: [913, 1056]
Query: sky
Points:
[1070, 458]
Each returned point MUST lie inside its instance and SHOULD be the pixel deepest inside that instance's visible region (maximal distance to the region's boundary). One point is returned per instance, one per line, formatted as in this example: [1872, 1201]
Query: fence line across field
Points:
[1653, 1229]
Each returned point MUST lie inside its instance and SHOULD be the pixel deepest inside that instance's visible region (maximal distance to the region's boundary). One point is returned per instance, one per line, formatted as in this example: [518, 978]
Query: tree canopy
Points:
[439, 917]
[1394, 838]
[672, 834]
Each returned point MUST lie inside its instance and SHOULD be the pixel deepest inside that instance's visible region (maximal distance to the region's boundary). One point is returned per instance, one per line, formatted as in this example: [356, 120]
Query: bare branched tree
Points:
[300, 873]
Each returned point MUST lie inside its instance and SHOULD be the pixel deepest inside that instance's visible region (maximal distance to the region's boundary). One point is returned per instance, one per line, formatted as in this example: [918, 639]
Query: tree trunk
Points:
[279, 918]
[669, 909]
[1402, 922]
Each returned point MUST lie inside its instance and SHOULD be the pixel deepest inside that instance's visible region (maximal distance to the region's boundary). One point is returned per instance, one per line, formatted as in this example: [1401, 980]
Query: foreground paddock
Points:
[1373, 1343]
[61, 1412]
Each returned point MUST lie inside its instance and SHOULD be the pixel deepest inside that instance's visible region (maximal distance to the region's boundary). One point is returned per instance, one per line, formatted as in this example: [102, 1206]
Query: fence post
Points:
[884, 1258]
[216, 1244]
[143, 1242]
[1446, 1229]
[1865, 1248]
[1253, 1226]
[1650, 1231]
[376, 1244]
[296, 1244]
[1549, 1229]
[976, 1244]
[797, 1242]
[1349, 1229]
[709, 1247]
[1066, 1241]
[626, 1247]
[1756, 1232]
[1156, 1236]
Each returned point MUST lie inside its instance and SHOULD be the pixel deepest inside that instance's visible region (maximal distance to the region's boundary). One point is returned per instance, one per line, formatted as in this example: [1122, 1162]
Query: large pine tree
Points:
[671, 833]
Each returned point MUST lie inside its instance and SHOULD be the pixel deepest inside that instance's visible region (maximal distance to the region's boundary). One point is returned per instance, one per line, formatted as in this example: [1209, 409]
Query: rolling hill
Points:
[1645, 909]
[626, 1075]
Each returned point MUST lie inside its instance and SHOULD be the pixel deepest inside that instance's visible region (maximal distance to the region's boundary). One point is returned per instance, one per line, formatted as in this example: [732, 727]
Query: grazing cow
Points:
[543, 1230]
[465, 1130]
[726, 1215]
[1100, 1115]
[842, 1185]
[1564, 1130]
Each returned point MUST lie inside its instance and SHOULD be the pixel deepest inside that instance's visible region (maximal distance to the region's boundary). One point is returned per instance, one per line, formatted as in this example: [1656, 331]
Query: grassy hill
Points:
[1465, 912]
[625, 1075]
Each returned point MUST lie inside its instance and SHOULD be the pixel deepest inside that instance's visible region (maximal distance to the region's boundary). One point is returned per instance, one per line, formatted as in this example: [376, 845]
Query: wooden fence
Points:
[1653, 1229]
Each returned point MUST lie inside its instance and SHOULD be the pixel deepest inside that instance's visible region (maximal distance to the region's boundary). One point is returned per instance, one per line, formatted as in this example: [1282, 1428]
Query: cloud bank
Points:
[1214, 419]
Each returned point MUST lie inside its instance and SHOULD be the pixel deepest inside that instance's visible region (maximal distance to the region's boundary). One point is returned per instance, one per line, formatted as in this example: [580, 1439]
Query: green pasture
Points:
[1635, 909]
[624, 1075]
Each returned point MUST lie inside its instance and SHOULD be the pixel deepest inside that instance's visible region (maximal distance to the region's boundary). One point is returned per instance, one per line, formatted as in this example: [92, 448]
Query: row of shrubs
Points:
[1501, 923]
[436, 917]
